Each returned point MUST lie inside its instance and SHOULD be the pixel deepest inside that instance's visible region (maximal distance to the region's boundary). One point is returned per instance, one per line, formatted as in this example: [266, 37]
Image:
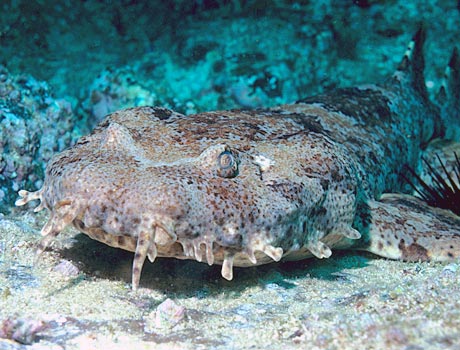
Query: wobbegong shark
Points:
[248, 187]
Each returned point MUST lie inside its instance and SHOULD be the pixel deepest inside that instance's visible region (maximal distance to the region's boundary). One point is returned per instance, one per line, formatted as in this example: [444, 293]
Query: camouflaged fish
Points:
[243, 188]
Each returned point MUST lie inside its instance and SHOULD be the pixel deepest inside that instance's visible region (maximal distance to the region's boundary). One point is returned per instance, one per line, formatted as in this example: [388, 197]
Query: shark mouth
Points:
[155, 236]
[152, 237]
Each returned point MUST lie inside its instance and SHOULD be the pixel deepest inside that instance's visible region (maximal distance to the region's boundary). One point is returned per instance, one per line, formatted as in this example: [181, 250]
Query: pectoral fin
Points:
[404, 227]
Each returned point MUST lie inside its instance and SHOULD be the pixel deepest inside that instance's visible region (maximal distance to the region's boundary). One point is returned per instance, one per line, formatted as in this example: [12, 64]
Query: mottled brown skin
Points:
[247, 187]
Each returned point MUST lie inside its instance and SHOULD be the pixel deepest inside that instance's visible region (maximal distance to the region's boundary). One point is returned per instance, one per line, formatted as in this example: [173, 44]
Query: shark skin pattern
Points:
[247, 187]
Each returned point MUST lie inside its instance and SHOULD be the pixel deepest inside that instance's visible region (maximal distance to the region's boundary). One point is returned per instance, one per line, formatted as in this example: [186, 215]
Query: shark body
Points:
[243, 188]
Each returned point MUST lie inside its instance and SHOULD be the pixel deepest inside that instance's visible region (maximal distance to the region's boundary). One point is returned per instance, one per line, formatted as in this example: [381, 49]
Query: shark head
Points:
[228, 188]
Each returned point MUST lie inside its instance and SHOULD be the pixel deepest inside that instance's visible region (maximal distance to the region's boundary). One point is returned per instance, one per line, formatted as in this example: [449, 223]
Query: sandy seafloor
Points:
[349, 301]
[78, 296]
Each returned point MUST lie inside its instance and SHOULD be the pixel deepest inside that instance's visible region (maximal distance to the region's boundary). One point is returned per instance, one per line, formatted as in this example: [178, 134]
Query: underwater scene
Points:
[224, 174]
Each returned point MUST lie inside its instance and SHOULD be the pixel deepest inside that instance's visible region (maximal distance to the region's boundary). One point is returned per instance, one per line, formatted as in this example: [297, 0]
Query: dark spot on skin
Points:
[413, 252]
[304, 226]
[137, 256]
[324, 184]
[79, 224]
[336, 176]
[310, 123]
[319, 211]
[219, 221]
[191, 233]
[162, 113]
[373, 158]
[450, 255]
[103, 208]
[400, 221]
[286, 136]
[380, 246]
[290, 233]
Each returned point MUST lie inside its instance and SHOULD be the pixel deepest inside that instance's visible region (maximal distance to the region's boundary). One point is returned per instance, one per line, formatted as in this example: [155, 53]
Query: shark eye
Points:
[227, 165]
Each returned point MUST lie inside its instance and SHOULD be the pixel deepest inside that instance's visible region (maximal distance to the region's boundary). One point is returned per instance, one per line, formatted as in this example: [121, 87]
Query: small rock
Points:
[22, 330]
[67, 269]
[167, 315]
[449, 271]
